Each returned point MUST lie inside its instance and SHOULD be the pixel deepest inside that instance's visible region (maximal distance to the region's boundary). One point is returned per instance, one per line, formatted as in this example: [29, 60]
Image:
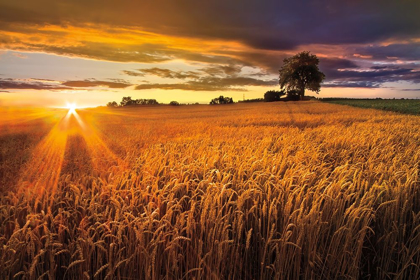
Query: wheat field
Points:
[295, 190]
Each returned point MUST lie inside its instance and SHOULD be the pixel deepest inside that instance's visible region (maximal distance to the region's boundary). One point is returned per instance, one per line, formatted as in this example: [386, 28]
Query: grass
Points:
[405, 106]
[295, 190]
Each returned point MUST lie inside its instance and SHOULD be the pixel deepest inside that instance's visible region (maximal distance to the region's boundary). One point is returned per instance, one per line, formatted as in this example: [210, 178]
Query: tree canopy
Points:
[112, 104]
[301, 72]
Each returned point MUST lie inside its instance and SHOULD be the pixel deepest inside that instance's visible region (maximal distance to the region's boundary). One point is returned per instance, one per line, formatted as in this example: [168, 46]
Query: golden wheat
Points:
[301, 190]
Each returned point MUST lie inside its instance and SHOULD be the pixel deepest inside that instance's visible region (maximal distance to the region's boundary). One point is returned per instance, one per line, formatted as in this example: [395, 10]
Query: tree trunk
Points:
[302, 93]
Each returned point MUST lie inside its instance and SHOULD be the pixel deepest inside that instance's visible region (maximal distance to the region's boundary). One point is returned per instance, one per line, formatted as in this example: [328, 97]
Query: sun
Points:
[72, 108]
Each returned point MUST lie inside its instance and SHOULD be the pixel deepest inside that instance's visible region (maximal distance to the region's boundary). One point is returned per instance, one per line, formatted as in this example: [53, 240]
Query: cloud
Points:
[218, 70]
[407, 51]
[336, 63]
[211, 78]
[351, 84]
[191, 86]
[349, 36]
[19, 55]
[132, 73]
[269, 25]
[410, 89]
[214, 70]
[96, 83]
[372, 77]
[19, 84]
[164, 73]
[212, 84]
[46, 84]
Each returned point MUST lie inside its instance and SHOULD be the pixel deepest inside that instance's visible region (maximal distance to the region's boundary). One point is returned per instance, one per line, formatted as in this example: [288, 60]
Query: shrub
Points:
[293, 95]
[273, 95]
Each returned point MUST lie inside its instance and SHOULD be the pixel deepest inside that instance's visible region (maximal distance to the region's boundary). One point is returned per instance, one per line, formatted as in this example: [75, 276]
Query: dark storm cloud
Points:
[372, 77]
[350, 84]
[96, 83]
[336, 63]
[372, 74]
[409, 51]
[274, 25]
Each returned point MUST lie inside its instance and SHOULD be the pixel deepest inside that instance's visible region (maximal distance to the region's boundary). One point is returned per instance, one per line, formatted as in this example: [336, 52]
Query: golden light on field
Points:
[73, 114]
[295, 190]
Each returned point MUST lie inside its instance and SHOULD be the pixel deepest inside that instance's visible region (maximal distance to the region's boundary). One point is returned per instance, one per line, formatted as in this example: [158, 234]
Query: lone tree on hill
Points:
[301, 72]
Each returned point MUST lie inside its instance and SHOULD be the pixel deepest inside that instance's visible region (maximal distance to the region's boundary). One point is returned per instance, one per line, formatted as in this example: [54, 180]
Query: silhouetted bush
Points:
[293, 95]
[273, 95]
[174, 103]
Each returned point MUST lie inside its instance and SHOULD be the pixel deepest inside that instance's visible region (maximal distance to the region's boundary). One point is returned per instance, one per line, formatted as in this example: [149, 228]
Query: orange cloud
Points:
[115, 44]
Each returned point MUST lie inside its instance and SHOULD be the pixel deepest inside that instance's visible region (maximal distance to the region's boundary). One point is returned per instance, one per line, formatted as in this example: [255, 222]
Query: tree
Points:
[221, 100]
[273, 95]
[301, 72]
[112, 104]
[174, 103]
[126, 101]
[152, 102]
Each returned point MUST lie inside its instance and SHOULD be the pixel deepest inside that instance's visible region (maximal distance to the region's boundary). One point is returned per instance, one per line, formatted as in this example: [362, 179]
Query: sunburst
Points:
[72, 108]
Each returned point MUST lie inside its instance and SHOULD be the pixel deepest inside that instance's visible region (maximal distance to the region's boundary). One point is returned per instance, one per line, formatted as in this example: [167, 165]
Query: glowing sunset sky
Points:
[92, 52]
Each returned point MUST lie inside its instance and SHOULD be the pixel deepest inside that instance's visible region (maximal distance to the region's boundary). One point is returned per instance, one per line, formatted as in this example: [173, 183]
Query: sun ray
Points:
[47, 158]
[103, 157]
[45, 167]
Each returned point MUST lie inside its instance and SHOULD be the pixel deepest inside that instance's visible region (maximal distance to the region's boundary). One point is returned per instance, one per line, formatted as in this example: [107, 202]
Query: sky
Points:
[93, 52]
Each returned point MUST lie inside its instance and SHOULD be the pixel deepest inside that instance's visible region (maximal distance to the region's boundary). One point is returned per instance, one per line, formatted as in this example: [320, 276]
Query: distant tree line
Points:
[128, 101]
[252, 100]
[221, 100]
